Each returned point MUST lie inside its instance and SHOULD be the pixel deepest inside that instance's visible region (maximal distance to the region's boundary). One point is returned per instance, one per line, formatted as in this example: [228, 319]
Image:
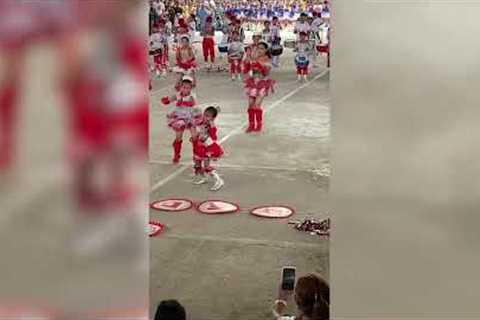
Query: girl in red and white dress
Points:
[250, 53]
[208, 44]
[185, 61]
[258, 86]
[185, 116]
[206, 149]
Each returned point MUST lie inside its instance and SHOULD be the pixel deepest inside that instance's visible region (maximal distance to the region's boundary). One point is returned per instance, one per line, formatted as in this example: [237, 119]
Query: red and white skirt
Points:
[182, 118]
[207, 150]
[185, 68]
[255, 87]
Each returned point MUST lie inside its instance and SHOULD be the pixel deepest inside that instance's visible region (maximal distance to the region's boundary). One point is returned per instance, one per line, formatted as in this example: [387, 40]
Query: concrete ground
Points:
[228, 267]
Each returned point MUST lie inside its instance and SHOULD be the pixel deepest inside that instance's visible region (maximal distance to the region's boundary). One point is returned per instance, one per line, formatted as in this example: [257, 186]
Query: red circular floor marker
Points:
[172, 205]
[155, 228]
[278, 212]
[217, 207]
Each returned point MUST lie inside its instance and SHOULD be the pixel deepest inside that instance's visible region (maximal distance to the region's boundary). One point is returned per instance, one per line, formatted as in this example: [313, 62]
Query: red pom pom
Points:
[165, 100]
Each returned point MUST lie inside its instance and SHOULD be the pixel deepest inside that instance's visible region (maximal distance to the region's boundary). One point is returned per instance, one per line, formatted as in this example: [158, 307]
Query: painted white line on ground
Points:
[182, 168]
[274, 105]
[163, 89]
[236, 166]
[246, 241]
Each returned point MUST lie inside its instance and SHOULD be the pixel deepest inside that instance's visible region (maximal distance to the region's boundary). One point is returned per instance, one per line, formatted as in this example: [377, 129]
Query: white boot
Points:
[219, 183]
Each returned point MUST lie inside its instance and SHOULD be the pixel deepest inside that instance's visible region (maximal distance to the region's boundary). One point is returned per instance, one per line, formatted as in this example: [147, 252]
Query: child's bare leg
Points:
[206, 165]
[259, 101]
[200, 177]
[179, 135]
[251, 102]
[193, 133]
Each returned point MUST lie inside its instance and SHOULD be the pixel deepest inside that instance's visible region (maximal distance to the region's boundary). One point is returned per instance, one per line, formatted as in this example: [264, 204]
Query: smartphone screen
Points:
[288, 278]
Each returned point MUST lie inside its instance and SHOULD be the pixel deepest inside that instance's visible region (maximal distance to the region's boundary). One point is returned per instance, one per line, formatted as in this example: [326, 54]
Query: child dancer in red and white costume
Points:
[304, 50]
[159, 49]
[250, 53]
[206, 149]
[208, 44]
[185, 61]
[185, 116]
[258, 85]
[235, 55]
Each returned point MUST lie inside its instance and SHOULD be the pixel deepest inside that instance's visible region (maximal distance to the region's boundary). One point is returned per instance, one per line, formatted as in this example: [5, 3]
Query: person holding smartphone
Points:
[311, 296]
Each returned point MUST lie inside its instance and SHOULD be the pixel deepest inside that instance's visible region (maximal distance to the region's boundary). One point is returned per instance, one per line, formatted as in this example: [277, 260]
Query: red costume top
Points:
[206, 146]
[260, 83]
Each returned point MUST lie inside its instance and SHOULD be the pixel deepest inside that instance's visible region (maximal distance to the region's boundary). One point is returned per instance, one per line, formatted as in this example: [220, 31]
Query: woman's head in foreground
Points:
[170, 310]
[312, 296]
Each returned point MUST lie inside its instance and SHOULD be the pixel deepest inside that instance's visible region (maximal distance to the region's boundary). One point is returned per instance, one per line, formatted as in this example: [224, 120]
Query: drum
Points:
[154, 52]
[223, 48]
[301, 61]
[276, 50]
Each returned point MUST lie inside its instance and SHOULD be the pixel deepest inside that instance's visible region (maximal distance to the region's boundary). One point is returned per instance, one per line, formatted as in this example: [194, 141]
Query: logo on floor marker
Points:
[217, 207]
[172, 205]
[272, 212]
[155, 228]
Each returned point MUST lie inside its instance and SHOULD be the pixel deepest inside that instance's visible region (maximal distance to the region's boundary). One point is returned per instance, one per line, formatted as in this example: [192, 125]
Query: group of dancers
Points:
[252, 64]
[312, 33]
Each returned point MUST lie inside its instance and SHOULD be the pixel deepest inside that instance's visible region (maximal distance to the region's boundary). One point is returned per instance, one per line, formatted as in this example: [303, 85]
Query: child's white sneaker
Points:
[233, 77]
[219, 183]
[199, 179]
[239, 77]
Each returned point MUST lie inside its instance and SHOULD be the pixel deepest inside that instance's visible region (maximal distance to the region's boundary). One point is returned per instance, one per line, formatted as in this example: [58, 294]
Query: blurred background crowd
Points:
[252, 12]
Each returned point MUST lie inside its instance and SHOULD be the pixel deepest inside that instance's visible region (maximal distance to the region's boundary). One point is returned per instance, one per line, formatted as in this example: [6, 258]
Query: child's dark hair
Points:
[170, 310]
[213, 111]
[267, 49]
[312, 295]
[187, 81]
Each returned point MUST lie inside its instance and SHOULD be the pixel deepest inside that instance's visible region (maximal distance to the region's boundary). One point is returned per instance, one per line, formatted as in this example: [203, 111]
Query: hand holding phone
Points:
[288, 278]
